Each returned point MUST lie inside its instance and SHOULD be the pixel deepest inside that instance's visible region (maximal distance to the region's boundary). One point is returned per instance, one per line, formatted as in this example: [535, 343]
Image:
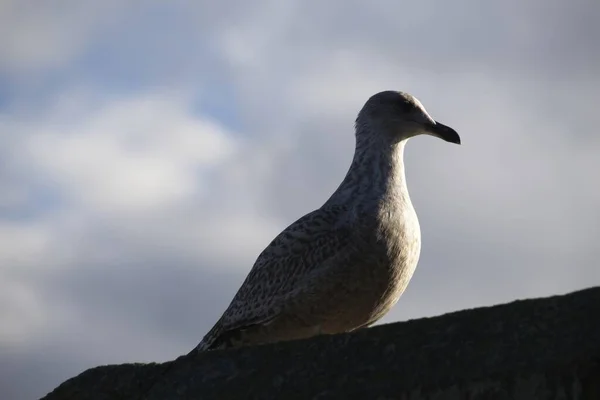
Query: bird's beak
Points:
[443, 132]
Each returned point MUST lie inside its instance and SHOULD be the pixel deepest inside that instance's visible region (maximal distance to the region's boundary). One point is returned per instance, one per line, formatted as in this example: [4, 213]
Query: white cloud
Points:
[23, 246]
[36, 36]
[22, 312]
[132, 155]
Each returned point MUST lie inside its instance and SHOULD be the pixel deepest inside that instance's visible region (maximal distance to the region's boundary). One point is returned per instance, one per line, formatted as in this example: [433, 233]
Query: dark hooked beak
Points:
[443, 132]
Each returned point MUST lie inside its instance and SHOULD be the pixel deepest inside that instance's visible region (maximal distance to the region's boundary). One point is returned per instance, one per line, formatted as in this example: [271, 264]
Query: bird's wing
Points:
[298, 250]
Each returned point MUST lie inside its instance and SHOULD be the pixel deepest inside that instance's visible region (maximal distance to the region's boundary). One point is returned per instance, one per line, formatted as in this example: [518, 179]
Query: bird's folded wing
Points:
[296, 252]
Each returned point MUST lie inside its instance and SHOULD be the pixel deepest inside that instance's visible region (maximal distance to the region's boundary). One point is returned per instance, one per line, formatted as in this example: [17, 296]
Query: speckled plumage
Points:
[343, 266]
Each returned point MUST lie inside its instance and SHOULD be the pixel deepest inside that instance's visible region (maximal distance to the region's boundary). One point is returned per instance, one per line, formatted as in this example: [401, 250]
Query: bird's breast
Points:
[397, 250]
[369, 277]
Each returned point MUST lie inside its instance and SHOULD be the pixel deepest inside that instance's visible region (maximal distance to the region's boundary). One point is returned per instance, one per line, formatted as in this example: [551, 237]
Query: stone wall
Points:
[532, 349]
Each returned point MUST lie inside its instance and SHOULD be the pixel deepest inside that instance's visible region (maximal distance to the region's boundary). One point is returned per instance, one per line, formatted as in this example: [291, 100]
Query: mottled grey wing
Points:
[298, 250]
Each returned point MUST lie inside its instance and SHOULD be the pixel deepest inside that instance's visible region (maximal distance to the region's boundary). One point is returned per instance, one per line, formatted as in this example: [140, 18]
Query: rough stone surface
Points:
[531, 349]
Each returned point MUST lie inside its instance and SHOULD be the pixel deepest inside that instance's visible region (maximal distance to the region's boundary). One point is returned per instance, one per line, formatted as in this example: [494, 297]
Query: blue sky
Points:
[148, 153]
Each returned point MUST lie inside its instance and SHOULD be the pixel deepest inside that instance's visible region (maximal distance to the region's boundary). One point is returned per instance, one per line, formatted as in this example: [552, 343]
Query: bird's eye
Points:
[405, 106]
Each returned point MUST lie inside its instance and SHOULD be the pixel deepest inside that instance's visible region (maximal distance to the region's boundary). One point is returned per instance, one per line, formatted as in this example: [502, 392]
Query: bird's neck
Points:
[376, 174]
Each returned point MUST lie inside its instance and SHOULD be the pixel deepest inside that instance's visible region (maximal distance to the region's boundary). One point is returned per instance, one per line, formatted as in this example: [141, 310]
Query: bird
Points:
[343, 266]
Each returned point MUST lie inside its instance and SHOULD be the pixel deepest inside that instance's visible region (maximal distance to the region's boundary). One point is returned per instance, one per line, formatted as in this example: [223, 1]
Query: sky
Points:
[150, 151]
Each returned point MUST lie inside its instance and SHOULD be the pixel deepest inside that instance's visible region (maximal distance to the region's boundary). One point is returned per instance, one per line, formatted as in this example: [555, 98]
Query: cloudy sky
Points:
[149, 152]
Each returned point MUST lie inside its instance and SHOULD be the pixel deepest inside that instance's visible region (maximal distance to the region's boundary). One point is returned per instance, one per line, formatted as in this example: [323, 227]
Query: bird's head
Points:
[401, 116]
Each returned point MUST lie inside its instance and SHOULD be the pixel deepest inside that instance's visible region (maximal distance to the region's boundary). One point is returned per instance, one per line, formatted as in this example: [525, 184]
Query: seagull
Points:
[343, 266]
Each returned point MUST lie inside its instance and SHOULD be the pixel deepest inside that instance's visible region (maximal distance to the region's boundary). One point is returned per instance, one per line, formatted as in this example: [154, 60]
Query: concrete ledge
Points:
[532, 349]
